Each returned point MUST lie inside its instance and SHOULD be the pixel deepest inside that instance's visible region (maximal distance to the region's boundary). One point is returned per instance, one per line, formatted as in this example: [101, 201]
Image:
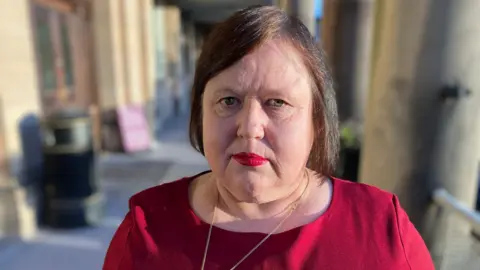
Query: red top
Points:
[364, 228]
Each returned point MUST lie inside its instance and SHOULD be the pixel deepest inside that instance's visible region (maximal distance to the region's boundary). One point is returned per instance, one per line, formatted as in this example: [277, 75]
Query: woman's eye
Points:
[229, 101]
[276, 103]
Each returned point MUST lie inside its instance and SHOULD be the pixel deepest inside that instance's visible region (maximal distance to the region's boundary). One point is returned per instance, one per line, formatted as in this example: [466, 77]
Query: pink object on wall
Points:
[133, 128]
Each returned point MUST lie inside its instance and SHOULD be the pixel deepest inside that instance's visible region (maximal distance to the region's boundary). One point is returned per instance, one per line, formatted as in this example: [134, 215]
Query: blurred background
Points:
[94, 107]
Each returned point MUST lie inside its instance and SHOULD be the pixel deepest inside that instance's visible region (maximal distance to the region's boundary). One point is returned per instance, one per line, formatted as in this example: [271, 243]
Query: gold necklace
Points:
[292, 208]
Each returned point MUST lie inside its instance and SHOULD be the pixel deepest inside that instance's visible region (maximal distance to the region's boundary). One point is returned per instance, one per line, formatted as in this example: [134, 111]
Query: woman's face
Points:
[257, 124]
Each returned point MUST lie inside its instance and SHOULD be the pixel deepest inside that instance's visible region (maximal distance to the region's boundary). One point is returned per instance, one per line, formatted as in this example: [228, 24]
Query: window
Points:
[55, 62]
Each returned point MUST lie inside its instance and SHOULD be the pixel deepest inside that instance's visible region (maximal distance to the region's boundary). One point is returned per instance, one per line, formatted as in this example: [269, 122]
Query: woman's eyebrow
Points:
[222, 91]
[284, 90]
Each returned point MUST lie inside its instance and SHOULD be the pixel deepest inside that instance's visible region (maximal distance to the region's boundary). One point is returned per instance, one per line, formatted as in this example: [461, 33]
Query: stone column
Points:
[163, 95]
[283, 4]
[302, 9]
[305, 11]
[123, 51]
[131, 45]
[108, 31]
[136, 49]
[189, 53]
[19, 95]
[417, 137]
[173, 38]
[347, 39]
[146, 11]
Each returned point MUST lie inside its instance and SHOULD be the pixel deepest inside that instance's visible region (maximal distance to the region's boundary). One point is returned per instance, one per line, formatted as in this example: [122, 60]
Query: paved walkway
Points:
[463, 250]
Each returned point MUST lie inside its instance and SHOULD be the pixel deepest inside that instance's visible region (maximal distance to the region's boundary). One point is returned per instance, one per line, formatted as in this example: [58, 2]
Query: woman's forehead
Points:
[274, 65]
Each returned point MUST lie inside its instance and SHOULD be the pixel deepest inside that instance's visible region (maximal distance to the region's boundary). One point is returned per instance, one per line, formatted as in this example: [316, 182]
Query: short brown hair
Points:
[247, 30]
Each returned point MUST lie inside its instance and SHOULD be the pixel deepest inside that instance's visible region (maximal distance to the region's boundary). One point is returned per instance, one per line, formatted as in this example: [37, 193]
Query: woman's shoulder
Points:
[162, 192]
[134, 240]
[160, 196]
[371, 201]
[360, 192]
[383, 216]
[368, 210]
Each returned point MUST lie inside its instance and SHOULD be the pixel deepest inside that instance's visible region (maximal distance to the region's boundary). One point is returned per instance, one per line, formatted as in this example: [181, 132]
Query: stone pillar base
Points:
[17, 212]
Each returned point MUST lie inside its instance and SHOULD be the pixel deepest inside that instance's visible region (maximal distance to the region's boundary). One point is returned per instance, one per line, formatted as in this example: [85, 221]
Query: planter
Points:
[349, 163]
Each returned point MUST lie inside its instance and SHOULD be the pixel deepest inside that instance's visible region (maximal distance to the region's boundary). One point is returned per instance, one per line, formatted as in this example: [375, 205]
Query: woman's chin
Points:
[251, 187]
[256, 177]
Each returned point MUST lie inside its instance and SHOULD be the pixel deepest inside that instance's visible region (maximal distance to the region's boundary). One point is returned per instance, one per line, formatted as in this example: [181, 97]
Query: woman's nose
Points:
[251, 121]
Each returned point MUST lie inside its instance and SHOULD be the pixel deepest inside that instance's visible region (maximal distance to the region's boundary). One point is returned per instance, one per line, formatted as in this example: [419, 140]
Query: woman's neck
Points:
[230, 209]
[231, 215]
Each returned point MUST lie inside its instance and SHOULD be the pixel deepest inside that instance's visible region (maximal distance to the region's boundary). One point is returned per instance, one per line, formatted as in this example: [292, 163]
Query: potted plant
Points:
[350, 150]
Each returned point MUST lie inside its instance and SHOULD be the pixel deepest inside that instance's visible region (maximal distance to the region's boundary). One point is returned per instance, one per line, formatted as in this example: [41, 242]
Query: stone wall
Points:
[18, 97]
[18, 78]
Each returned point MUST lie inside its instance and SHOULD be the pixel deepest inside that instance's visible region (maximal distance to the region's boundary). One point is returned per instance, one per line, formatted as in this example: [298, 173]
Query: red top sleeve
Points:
[416, 252]
[118, 257]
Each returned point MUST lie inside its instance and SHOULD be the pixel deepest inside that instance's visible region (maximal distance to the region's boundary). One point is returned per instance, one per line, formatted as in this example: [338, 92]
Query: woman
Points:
[264, 115]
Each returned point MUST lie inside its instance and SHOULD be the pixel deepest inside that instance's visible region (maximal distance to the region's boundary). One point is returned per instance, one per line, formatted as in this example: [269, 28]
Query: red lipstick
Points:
[249, 159]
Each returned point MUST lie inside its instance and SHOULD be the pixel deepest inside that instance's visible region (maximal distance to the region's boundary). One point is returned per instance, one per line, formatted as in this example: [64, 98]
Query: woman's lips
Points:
[250, 159]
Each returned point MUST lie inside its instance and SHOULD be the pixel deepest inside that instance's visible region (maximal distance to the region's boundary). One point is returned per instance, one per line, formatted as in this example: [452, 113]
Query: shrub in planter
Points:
[349, 159]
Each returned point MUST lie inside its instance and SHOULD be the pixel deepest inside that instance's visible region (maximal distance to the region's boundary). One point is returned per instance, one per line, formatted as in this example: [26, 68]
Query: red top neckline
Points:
[325, 215]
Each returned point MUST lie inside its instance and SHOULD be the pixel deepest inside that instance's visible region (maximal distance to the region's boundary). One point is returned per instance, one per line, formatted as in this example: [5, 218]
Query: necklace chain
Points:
[292, 207]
